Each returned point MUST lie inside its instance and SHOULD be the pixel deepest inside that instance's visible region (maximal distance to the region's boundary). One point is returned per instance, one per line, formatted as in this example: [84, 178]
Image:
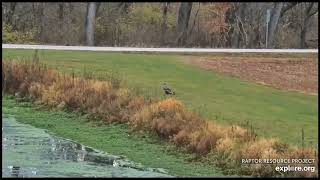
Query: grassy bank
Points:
[113, 138]
[273, 113]
[107, 101]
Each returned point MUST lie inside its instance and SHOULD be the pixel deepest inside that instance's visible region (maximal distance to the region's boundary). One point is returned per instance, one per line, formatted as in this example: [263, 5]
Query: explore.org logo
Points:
[295, 168]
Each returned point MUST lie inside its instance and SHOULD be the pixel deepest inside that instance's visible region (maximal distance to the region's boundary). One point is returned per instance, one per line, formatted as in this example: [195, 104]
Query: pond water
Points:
[32, 152]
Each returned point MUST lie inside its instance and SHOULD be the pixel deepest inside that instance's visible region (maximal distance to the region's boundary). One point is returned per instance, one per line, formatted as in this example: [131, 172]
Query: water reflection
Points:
[71, 151]
[31, 152]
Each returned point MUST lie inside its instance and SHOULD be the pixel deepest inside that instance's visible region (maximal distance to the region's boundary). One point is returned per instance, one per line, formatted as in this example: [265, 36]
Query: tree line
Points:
[166, 24]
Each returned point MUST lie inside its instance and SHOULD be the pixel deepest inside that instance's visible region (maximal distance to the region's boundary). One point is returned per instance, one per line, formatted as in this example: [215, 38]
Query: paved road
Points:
[156, 50]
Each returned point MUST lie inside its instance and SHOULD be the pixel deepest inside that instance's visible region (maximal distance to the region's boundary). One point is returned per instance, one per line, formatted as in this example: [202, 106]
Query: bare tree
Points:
[164, 22]
[288, 7]
[183, 22]
[97, 9]
[41, 26]
[239, 34]
[9, 13]
[90, 25]
[60, 12]
[231, 20]
[194, 19]
[309, 12]
[123, 7]
[274, 20]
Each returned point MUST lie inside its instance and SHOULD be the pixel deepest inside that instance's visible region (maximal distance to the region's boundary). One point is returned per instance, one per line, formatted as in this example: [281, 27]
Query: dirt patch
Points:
[293, 74]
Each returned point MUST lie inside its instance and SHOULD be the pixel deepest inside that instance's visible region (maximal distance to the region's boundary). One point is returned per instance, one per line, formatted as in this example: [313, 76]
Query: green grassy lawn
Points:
[272, 112]
[114, 139]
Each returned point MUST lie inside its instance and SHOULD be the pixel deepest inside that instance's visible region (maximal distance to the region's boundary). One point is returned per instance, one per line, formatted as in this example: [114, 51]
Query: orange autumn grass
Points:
[226, 146]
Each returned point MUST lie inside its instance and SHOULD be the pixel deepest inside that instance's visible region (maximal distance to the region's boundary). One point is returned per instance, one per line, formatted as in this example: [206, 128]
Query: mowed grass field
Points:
[272, 112]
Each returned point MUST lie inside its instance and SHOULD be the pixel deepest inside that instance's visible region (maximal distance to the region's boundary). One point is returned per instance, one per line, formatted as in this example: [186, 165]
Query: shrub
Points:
[166, 118]
[11, 36]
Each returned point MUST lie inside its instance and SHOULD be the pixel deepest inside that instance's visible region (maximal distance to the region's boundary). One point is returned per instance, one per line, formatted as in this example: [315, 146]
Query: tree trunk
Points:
[230, 20]
[305, 27]
[194, 21]
[97, 9]
[254, 33]
[183, 22]
[10, 13]
[273, 24]
[303, 43]
[90, 25]
[42, 23]
[164, 23]
[123, 7]
[239, 38]
[60, 12]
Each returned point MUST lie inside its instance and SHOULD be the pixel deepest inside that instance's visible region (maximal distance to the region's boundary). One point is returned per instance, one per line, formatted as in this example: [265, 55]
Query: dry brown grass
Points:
[168, 118]
[283, 72]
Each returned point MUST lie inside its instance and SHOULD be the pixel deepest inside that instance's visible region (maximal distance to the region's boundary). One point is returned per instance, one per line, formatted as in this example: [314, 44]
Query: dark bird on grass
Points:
[167, 90]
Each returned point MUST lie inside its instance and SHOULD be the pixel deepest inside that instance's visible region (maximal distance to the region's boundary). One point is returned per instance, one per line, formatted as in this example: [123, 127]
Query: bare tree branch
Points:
[310, 13]
[288, 7]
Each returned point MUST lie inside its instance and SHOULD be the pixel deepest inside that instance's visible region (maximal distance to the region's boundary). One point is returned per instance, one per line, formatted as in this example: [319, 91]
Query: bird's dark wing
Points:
[166, 89]
[169, 92]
